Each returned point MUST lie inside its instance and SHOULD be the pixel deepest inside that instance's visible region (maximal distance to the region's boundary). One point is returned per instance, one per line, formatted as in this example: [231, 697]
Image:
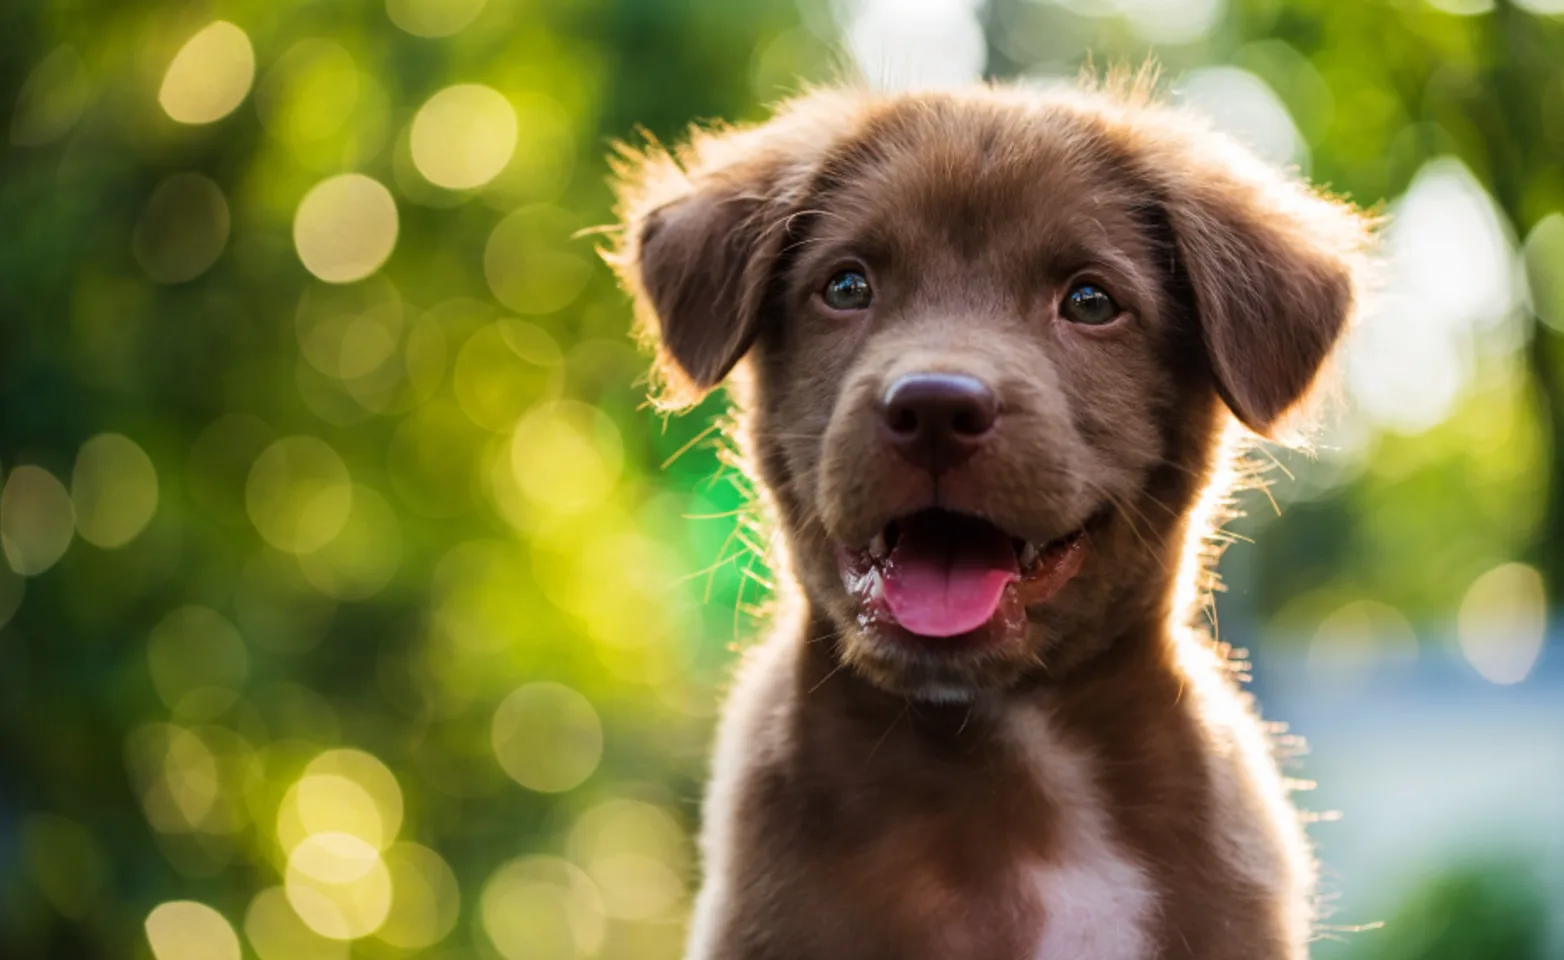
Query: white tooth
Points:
[877, 546]
[1028, 555]
[876, 585]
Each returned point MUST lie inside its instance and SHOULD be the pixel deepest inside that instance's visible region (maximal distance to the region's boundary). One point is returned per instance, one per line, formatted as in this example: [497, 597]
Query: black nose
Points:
[938, 420]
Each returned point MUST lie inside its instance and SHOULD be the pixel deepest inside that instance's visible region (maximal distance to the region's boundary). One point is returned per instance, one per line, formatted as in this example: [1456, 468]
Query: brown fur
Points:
[853, 814]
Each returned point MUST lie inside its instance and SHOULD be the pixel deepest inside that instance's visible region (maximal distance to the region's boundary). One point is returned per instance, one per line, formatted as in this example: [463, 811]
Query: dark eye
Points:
[848, 290]
[1089, 304]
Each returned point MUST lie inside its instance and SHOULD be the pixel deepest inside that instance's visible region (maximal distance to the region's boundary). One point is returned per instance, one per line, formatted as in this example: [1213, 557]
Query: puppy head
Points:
[993, 339]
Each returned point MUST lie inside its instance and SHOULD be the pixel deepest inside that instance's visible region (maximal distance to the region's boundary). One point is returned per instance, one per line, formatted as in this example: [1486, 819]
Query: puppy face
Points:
[990, 337]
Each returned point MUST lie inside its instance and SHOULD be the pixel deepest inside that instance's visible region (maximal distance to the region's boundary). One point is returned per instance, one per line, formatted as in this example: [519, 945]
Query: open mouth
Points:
[936, 573]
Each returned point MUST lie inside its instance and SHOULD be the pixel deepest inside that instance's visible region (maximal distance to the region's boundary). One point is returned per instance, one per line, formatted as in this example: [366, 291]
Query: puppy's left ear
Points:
[1274, 268]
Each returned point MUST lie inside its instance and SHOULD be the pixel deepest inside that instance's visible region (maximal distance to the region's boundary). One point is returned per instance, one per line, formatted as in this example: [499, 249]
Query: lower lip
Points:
[863, 578]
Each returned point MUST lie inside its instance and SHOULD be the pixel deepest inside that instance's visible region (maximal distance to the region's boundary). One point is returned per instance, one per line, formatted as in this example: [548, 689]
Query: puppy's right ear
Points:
[703, 231]
[703, 262]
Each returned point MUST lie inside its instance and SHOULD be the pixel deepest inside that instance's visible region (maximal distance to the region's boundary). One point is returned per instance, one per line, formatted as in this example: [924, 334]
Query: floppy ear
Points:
[1274, 269]
[703, 231]
[703, 263]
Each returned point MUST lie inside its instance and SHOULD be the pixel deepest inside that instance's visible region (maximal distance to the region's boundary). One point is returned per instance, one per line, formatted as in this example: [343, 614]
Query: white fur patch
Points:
[1097, 901]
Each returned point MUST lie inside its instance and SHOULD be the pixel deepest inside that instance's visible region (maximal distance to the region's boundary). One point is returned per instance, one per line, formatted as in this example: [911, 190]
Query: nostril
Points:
[970, 422]
[938, 420]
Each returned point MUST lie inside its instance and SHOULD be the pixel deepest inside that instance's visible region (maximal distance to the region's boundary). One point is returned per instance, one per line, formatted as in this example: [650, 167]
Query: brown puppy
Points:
[989, 346]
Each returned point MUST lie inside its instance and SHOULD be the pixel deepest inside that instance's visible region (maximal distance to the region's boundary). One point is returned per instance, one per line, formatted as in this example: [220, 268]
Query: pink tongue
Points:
[947, 574]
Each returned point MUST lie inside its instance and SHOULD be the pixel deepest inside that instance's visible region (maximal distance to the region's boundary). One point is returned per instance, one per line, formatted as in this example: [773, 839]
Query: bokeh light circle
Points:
[52, 99]
[328, 803]
[363, 557]
[463, 136]
[338, 885]
[210, 75]
[37, 520]
[186, 930]
[542, 908]
[530, 264]
[345, 228]
[299, 494]
[197, 661]
[637, 856]
[566, 456]
[114, 489]
[275, 931]
[433, 18]
[547, 737]
[503, 370]
[183, 229]
[1502, 624]
[425, 900]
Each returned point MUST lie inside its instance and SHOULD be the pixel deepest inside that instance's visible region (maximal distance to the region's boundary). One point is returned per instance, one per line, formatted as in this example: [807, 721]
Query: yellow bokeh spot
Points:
[197, 661]
[114, 488]
[183, 229]
[1502, 623]
[299, 494]
[1359, 636]
[503, 370]
[345, 228]
[542, 908]
[309, 93]
[425, 899]
[463, 136]
[338, 885]
[566, 456]
[362, 558]
[637, 855]
[529, 264]
[328, 803]
[186, 930]
[375, 777]
[433, 18]
[210, 75]
[547, 737]
[36, 520]
[275, 931]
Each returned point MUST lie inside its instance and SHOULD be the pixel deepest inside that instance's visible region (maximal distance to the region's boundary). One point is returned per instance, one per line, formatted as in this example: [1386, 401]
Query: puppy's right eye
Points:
[848, 290]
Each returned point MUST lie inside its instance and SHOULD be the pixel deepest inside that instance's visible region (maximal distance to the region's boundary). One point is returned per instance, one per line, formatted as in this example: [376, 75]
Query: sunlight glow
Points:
[1451, 275]
[902, 45]
[1246, 107]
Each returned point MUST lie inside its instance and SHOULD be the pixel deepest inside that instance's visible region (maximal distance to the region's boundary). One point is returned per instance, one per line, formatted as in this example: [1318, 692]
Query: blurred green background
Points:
[354, 605]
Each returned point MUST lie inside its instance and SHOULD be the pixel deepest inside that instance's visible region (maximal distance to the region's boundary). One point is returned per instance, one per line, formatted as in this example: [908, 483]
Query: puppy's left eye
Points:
[1089, 304]
[848, 290]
